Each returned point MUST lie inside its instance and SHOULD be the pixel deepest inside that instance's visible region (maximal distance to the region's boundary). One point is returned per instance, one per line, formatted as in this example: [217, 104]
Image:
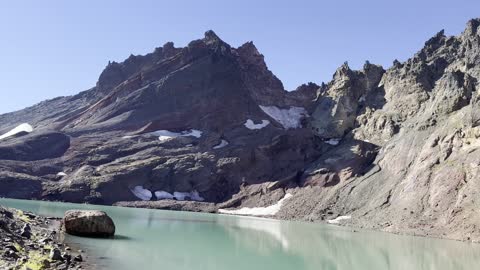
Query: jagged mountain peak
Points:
[250, 47]
[472, 27]
[211, 36]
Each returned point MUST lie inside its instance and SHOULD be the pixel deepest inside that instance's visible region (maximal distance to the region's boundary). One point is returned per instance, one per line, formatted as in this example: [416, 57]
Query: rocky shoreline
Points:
[33, 242]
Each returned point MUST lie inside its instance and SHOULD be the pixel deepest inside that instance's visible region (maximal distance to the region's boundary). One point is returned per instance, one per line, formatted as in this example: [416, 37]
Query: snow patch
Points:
[163, 195]
[288, 118]
[222, 144]
[333, 141]
[338, 219]
[251, 125]
[61, 174]
[20, 128]
[165, 135]
[258, 211]
[142, 193]
[182, 196]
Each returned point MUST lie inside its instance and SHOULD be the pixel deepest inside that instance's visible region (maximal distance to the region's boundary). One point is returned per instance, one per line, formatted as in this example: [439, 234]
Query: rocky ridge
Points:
[209, 127]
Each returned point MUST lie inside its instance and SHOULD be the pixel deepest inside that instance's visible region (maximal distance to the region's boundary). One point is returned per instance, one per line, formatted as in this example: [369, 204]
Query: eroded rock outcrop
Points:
[423, 179]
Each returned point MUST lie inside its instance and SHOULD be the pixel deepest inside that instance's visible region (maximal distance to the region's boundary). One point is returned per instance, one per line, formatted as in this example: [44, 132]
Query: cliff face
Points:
[394, 149]
[422, 116]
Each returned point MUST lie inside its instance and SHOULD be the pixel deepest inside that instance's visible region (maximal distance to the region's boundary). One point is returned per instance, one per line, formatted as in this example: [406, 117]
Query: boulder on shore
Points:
[89, 223]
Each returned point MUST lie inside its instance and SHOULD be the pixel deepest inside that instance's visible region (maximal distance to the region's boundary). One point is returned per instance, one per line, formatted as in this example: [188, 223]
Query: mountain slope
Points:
[424, 179]
[395, 149]
[223, 96]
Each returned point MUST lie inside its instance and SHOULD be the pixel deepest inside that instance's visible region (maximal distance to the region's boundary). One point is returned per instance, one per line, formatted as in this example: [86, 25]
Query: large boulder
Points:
[90, 223]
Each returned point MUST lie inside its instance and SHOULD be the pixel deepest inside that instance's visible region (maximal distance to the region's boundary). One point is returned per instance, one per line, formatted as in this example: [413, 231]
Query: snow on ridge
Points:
[288, 118]
[258, 211]
[251, 125]
[25, 127]
[180, 196]
[164, 135]
[222, 144]
[142, 193]
[163, 195]
[338, 219]
[61, 174]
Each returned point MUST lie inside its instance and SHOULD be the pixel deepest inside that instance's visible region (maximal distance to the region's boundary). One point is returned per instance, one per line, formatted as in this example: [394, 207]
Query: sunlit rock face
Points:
[424, 122]
[344, 98]
[209, 127]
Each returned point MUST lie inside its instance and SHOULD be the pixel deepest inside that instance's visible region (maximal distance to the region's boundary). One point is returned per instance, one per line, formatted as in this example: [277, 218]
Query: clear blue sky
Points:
[58, 47]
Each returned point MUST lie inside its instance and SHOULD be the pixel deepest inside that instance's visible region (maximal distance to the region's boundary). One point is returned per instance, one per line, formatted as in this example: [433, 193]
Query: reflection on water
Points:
[153, 239]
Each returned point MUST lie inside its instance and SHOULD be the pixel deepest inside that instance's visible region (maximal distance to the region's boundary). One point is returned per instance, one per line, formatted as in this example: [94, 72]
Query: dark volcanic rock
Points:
[88, 223]
[20, 186]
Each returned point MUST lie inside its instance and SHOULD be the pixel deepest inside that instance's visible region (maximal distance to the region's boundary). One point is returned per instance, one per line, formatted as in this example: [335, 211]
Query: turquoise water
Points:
[154, 239]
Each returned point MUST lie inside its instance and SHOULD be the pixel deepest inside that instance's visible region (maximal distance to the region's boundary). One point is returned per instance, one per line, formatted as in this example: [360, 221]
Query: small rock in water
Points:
[78, 258]
[67, 257]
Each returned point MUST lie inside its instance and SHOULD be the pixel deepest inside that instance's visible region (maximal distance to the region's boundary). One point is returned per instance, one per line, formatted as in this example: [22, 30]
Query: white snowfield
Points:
[338, 219]
[222, 144]
[161, 195]
[251, 125]
[20, 128]
[258, 211]
[193, 196]
[164, 135]
[288, 118]
[142, 193]
[61, 174]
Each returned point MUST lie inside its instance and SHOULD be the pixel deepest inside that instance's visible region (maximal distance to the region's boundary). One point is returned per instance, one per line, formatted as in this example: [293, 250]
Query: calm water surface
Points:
[154, 239]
